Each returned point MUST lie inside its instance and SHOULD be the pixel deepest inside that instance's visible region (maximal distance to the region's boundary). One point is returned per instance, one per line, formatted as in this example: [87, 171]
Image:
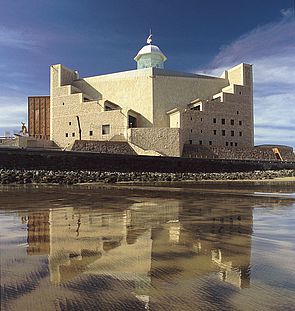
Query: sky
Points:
[98, 36]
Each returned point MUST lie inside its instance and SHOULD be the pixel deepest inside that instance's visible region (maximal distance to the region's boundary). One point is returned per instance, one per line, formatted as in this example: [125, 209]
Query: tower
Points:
[150, 56]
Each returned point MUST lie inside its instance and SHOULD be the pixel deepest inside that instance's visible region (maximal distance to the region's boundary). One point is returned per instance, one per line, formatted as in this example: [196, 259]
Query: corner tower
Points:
[150, 56]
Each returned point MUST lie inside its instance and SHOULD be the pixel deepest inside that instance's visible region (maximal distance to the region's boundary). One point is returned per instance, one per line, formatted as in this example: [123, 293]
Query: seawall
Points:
[69, 160]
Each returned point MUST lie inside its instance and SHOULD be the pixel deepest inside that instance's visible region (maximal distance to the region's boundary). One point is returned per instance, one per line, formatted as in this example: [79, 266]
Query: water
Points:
[205, 247]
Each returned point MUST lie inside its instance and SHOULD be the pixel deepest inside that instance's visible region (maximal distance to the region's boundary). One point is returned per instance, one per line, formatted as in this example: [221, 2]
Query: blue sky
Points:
[97, 36]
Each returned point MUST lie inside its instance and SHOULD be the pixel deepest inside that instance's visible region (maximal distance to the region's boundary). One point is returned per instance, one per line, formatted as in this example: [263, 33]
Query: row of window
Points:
[105, 129]
[232, 121]
[210, 143]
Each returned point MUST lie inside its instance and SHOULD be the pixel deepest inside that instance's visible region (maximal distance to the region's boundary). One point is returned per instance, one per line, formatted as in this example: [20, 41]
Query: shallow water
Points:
[208, 247]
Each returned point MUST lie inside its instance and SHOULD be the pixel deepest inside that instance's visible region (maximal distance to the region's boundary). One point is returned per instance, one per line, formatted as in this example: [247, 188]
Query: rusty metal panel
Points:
[38, 116]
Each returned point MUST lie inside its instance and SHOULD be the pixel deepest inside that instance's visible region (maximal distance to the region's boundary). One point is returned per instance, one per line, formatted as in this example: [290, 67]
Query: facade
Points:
[39, 116]
[153, 108]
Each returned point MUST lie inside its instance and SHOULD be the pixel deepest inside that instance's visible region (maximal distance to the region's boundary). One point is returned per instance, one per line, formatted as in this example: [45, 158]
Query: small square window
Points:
[105, 129]
[214, 120]
[210, 142]
[240, 133]
[201, 142]
[223, 132]
[222, 121]
[236, 144]
[232, 133]
[90, 133]
[67, 134]
[232, 122]
[240, 122]
[73, 134]
[214, 132]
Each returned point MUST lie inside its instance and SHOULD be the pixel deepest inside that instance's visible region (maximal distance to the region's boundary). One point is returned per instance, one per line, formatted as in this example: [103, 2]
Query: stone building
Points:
[151, 108]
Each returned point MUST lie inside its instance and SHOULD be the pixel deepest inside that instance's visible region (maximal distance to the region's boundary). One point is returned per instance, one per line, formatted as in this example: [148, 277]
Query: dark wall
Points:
[68, 160]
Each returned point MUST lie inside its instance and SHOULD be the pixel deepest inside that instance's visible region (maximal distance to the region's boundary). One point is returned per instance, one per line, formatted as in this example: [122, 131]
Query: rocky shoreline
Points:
[8, 176]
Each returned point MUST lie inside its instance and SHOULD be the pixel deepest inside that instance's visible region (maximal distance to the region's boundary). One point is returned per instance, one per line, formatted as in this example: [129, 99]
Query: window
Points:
[231, 144]
[226, 143]
[214, 120]
[63, 104]
[201, 131]
[90, 133]
[236, 144]
[232, 133]
[240, 93]
[240, 133]
[191, 130]
[214, 132]
[237, 112]
[67, 134]
[190, 141]
[70, 123]
[240, 122]
[105, 129]
[201, 142]
[232, 122]
[222, 121]
[73, 134]
[201, 119]
[191, 118]
[210, 142]
[223, 132]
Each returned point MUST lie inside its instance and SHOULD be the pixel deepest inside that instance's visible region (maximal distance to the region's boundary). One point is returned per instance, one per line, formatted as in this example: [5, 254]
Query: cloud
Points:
[19, 39]
[287, 12]
[271, 49]
[13, 111]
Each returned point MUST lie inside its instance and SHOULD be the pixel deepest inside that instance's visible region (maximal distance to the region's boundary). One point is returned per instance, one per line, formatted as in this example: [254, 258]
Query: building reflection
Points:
[150, 243]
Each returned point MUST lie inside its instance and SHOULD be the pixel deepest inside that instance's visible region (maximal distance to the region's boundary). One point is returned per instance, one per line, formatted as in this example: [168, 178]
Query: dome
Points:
[150, 49]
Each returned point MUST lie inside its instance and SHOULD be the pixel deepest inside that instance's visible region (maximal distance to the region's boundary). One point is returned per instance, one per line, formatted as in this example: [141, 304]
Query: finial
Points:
[149, 40]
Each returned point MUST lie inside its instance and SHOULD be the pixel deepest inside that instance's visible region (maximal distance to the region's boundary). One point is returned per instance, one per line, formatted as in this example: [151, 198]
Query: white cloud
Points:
[287, 12]
[271, 49]
[13, 111]
[17, 39]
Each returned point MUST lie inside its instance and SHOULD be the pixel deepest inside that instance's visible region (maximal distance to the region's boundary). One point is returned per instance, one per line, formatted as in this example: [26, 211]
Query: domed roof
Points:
[150, 49]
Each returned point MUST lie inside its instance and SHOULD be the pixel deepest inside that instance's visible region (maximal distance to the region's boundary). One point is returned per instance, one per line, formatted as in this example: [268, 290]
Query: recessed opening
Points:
[105, 129]
[90, 133]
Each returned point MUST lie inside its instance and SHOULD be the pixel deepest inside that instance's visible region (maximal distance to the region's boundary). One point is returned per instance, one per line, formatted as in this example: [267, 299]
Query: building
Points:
[151, 108]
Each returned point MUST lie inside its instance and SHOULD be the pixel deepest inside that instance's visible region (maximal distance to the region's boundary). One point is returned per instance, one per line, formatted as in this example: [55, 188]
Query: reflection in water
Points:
[150, 253]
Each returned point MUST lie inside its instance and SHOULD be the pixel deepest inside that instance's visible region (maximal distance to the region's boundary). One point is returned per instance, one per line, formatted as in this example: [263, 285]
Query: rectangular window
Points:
[201, 142]
[240, 122]
[70, 123]
[191, 130]
[191, 118]
[223, 132]
[237, 112]
[210, 142]
[73, 134]
[105, 129]
[214, 132]
[232, 122]
[201, 131]
[226, 143]
[231, 144]
[90, 133]
[222, 121]
[190, 141]
[232, 133]
[240, 133]
[214, 120]
[67, 134]
[201, 119]
[236, 144]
